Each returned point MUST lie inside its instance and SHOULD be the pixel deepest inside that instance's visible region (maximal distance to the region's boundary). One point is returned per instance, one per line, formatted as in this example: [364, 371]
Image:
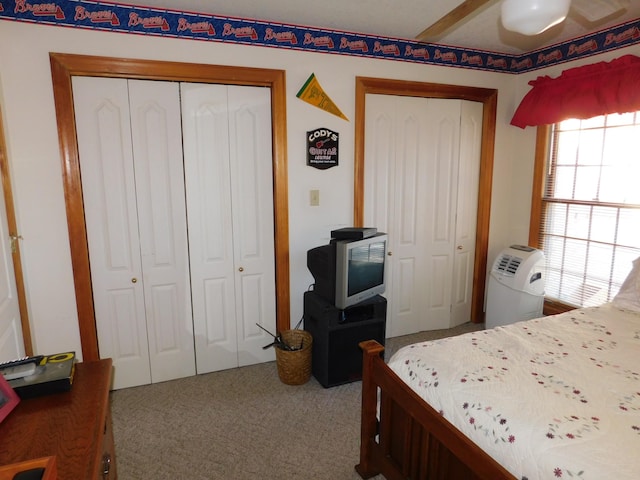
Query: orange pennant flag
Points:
[312, 93]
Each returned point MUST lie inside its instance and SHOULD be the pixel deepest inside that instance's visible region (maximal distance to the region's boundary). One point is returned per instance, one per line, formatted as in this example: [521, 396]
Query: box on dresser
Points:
[52, 374]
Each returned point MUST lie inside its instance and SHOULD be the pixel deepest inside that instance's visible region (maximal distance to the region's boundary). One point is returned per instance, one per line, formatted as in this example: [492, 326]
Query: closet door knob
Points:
[389, 253]
[241, 269]
[134, 280]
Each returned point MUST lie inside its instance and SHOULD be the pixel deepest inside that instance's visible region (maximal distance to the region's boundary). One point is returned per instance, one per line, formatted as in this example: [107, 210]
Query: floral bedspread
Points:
[555, 397]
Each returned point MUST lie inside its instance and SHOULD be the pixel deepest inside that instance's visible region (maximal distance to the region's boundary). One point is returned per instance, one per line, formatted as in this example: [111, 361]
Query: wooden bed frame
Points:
[410, 440]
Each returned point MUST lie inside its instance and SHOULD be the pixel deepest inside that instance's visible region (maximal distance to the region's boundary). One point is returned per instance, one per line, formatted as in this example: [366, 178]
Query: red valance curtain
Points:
[582, 92]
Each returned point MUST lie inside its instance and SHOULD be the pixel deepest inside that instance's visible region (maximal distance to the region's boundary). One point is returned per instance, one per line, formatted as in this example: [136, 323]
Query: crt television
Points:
[349, 271]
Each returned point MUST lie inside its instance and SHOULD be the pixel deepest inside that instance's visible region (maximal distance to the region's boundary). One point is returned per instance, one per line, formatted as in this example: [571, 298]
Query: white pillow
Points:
[628, 298]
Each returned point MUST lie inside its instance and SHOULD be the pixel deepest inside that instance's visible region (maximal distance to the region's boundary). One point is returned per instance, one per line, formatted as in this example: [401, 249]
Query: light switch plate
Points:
[314, 198]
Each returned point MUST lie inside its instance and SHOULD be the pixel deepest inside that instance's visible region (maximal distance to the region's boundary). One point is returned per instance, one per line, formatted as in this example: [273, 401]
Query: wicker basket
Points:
[294, 367]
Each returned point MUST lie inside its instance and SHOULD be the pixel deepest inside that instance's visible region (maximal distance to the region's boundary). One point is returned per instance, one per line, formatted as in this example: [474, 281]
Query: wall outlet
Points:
[314, 198]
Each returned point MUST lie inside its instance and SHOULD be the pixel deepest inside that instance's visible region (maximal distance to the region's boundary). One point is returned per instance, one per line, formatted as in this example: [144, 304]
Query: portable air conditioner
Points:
[516, 286]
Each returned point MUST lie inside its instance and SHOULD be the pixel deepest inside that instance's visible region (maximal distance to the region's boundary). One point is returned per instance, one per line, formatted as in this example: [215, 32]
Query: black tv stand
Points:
[336, 357]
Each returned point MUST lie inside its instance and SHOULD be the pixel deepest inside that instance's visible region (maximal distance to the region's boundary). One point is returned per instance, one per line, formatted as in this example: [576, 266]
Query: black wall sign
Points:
[322, 148]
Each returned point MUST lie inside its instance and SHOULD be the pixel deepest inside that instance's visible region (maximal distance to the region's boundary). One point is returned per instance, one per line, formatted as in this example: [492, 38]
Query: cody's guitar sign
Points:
[322, 148]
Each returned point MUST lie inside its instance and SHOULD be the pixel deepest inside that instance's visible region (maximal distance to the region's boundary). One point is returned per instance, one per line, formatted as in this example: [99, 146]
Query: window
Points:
[589, 215]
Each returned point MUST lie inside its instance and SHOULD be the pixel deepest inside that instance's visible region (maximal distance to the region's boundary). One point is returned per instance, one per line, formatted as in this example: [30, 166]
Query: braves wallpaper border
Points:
[111, 17]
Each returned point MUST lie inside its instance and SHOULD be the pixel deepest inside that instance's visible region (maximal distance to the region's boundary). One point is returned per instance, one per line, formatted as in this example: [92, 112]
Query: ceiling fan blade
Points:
[463, 10]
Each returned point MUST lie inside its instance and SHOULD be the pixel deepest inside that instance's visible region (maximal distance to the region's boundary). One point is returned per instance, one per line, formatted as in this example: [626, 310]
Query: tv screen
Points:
[360, 269]
[365, 267]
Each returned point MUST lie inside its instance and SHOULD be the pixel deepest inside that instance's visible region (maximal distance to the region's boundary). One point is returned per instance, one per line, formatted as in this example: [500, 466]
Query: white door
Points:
[392, 200]
[136, 226]
[412, 147]
[228, 171]
[250, 157]
[440, 210]
[11, 340]
[466, 212]
[162, 226]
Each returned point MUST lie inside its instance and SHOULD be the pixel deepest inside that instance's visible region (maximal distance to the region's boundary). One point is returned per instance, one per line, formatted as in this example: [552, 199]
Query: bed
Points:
[554, 397]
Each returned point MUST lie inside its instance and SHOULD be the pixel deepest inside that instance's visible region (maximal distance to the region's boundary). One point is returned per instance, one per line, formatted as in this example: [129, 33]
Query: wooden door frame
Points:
[13, 234]
[489, 98]
[65, 66]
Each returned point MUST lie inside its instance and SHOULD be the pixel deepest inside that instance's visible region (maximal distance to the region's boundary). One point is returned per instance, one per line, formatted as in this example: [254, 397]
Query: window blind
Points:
[590, 227]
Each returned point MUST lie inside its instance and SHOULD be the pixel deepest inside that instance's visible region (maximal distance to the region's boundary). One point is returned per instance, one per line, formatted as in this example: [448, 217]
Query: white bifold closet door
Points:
[136, 226]
[145, 238]
[422, 159]
[227, 148]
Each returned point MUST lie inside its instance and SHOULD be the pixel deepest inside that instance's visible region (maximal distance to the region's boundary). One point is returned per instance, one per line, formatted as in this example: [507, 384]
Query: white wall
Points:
[26, 99]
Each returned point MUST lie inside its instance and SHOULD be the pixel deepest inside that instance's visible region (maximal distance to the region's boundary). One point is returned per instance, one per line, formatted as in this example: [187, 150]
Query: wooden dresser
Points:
[74, 426]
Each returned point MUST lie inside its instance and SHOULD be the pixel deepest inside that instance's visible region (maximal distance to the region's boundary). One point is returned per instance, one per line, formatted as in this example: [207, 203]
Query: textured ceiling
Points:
[405, 19]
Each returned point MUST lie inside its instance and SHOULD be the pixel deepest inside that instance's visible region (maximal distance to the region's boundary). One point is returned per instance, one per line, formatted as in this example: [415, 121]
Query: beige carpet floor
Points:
[243, 423]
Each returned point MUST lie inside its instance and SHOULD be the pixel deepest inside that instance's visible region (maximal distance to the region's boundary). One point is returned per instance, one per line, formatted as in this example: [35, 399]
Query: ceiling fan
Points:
[527, 17]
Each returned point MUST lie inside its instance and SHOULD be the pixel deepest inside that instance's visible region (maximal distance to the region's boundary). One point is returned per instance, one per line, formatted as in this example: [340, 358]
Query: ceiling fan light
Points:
[531, 17]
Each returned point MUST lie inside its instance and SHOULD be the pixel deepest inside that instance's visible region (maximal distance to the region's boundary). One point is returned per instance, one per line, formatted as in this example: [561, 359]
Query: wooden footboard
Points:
[411, 440]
